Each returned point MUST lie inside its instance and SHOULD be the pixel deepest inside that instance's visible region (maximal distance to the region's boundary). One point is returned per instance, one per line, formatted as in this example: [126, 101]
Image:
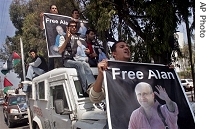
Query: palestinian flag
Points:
[7, 83]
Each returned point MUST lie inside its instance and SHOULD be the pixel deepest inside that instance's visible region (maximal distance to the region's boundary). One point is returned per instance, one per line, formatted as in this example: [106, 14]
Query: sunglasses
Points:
[53, 8]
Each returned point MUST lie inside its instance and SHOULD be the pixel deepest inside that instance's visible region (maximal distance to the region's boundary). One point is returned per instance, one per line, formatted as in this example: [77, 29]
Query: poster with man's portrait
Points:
[120, 81]
[55, 31]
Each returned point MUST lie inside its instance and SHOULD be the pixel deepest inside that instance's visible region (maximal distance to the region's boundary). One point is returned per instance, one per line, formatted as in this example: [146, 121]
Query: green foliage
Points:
[148, 26]
[185, 74]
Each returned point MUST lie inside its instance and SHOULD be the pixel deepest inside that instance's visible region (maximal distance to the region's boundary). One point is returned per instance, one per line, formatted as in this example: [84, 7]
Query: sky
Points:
[6, 26]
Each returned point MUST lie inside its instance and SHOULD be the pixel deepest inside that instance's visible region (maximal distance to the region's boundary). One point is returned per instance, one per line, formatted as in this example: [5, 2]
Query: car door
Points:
[57, 91]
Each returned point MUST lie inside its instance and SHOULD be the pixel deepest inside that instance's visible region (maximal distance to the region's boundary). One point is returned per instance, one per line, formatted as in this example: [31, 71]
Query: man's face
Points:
[54, 9]
[59, 30]
[32, 54]
[91, 36]
[145, 96]
[122, 52]
[75, 15]
[73, 28]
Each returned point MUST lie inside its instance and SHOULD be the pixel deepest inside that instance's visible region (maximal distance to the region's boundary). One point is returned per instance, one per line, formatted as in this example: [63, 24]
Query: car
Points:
[1, 101]
[15, 110]
[187, 84]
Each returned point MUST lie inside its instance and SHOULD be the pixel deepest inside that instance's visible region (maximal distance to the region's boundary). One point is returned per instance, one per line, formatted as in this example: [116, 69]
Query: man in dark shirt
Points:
[93, 47]
[53, 10]
[68, 52]
[38, 65]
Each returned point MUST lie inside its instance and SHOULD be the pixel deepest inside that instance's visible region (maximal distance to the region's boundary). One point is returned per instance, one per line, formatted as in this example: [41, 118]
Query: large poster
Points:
[55, 31]
[120, 81]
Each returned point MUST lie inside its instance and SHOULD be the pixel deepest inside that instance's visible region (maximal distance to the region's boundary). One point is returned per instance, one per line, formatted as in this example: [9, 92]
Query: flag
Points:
[4, 71]
[15, 61]
[15, 56]
[7, 65]
[4, 67]
[7, 83]
[6, 89]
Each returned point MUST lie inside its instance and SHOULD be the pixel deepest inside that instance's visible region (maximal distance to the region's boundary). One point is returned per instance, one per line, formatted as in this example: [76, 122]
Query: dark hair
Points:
[113, 48]
[72, 21]
[33, 50]
[74, 10]
[52, 5]
[89, 30]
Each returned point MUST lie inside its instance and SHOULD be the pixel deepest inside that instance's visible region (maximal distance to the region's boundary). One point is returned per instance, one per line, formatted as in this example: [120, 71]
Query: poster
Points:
[55, 31]
[120, 81]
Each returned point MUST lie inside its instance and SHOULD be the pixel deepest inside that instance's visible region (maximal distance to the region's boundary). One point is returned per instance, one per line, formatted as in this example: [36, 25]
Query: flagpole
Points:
[23, 63]
[24, 77]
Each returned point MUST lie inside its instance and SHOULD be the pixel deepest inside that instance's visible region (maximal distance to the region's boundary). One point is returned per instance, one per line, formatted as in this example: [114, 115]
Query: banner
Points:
[55, 31]
[120, 81]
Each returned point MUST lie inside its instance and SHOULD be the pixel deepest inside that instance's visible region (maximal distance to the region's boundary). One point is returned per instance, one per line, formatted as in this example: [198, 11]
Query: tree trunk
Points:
[190, 50]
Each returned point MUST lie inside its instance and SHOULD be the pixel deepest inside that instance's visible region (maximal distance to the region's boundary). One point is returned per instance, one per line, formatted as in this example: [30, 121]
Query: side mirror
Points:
[59, 106]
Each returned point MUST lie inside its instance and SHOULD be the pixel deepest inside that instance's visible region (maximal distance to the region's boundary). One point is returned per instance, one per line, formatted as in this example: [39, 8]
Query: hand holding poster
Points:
[121, 81]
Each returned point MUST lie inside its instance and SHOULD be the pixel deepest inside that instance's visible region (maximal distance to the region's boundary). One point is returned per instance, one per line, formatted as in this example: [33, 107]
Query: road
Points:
[4, 126]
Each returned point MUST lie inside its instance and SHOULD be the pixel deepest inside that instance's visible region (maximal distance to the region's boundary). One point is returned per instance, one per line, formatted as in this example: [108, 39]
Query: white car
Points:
[187, 84]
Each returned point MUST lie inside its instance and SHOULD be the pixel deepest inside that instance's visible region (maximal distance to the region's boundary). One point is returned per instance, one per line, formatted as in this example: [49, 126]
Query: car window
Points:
[183, 81]
[21, 99]
[190, 80]
[13, 101]
[16, 100]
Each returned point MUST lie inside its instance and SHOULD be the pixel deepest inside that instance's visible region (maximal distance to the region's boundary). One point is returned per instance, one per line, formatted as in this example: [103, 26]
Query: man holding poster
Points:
[120, 79]
[55, 27]
[55, 31]
[69, 54]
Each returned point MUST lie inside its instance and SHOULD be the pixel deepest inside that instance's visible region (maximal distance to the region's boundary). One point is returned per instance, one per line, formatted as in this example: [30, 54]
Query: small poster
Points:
[55, 31]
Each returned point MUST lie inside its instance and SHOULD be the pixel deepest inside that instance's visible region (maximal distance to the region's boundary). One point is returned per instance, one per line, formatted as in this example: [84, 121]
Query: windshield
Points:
[17, 100]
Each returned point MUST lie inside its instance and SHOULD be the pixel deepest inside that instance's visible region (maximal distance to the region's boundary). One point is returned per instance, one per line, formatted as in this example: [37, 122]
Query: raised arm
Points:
[96, 90]
[68, 37]
[97, 87]
[164, 96]
[41, 20]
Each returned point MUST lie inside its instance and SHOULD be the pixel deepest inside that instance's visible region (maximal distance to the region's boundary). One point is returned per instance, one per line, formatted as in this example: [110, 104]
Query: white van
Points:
[56, 101]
